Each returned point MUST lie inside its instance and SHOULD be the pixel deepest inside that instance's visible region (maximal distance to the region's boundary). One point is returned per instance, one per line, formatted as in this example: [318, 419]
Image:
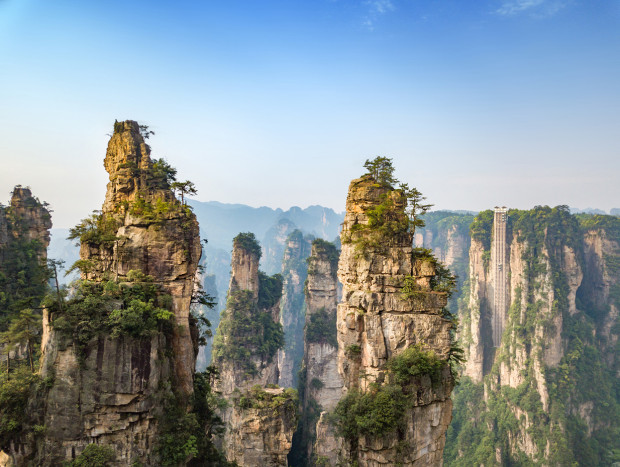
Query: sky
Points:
[279, 103]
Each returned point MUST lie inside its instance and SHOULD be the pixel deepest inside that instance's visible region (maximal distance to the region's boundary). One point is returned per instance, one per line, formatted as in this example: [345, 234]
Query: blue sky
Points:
[278, 103]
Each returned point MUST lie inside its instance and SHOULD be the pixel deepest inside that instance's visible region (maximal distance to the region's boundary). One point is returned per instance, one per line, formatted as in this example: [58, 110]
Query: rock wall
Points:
[558, 336]
[376, 324]
[111, 392]
[259, 418]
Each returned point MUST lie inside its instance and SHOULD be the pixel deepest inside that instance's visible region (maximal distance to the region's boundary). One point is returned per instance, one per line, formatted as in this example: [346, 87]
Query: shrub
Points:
[94, 455]
[247, 241]
[269, 290]
[377, 412]
[414, 362]
[321, 328]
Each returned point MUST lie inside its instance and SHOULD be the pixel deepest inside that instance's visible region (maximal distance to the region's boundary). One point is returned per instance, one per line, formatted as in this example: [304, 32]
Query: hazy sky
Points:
[278, 103]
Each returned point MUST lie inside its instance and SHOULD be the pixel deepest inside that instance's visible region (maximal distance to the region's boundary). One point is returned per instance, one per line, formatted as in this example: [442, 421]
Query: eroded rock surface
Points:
[376, 323]
[110, 392]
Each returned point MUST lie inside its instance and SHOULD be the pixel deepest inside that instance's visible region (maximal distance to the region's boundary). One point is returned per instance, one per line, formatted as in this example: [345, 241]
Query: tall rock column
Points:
[116, 353]
[383, 331]
[294, 272]
[259, 417]
[322, 382]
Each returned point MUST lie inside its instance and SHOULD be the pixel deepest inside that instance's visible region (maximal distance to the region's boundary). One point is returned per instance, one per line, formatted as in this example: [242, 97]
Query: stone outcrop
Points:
[376, 323]
[294, 272]
[259, 418]
[111, 390]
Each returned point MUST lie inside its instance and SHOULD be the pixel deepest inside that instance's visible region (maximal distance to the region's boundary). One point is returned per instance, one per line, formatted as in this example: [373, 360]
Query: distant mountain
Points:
[587, 211]
[221, 222]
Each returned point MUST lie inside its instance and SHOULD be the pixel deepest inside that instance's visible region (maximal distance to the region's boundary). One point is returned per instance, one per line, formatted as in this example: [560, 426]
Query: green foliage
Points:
[481, 228]
[15, 389]
[414, 362]
[246, 331]
[583, 377]
[381, 409]
[610, 224]
[187, 436]
[411, 290]
[137, 308]
[94, 455]
[97, 229]
[248, 242]
[257, 398]
[321, 328]
[184, 188]
[327, 250]
[353, 350]
[23, 275]
[269, 290]
[163, 172]
[155, 211]
[377, 412]
[316, 383]
[382, 170]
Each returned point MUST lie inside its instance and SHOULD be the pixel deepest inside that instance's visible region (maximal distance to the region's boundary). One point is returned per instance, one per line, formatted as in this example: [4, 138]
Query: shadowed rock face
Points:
[114, 394]
[321, 352]
[376, 321]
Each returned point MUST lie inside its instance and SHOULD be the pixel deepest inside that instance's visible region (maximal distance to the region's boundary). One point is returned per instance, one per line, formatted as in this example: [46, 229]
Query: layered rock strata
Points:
[110, 391]
[377, 323]
[259, 417]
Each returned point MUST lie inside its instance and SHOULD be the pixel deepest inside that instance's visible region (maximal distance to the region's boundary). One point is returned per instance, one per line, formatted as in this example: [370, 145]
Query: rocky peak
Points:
[246, 255]
[129, 166]
[29, 218]
[390, 310]
[110, 388]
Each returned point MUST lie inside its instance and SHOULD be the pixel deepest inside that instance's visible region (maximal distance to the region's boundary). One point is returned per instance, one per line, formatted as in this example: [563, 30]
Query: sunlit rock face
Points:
[111, 391]
[375, 323]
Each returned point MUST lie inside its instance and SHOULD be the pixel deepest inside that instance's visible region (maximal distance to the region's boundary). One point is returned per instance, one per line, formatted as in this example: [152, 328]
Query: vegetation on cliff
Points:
[247, 329]
[396, 215]
[579, 425]
[380, 410]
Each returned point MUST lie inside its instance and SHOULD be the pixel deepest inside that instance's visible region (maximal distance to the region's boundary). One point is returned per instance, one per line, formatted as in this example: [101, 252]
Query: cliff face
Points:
[316, 442]
[294, 272]
[107, 382]
[380, 329]
[520, 401]
[259, 418]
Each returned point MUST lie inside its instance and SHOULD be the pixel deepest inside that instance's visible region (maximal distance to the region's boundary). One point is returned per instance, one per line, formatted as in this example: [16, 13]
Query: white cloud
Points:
[540, 8]
[376, 8]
